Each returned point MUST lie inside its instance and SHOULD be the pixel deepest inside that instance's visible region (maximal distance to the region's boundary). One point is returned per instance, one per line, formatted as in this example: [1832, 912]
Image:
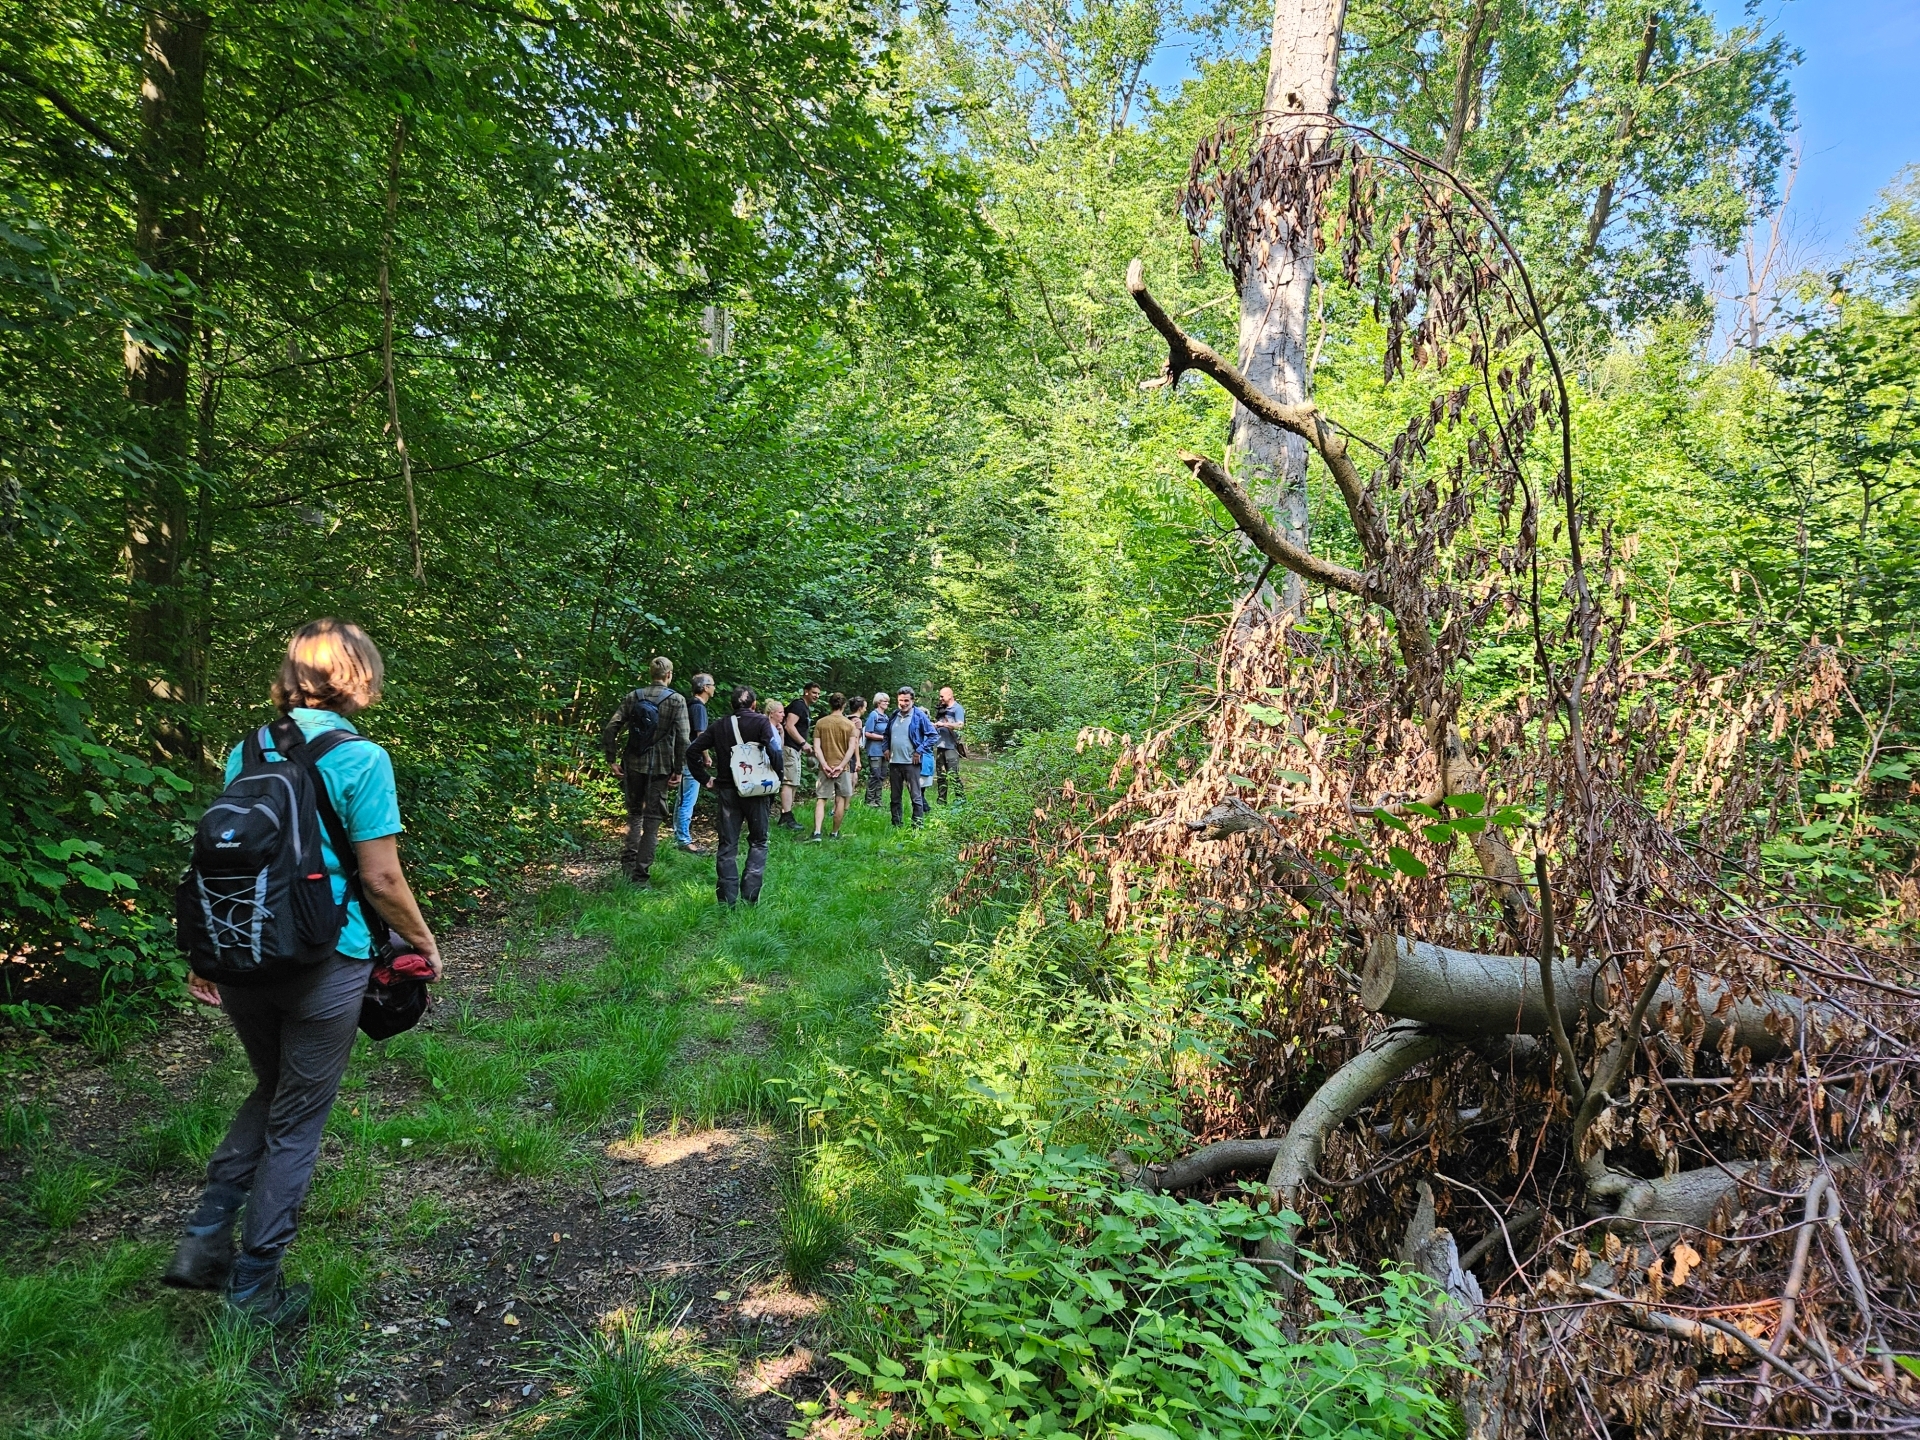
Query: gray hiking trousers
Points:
[298, 1035]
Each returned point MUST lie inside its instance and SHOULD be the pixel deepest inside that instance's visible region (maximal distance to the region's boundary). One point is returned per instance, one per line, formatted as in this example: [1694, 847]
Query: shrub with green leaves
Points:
[1044, 1299]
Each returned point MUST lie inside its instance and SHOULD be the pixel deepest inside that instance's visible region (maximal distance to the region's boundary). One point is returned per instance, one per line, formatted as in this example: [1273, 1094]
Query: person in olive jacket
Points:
[649, 770]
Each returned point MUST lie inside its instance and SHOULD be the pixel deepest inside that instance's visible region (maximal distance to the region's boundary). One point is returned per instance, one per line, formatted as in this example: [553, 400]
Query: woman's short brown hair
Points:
[330, 665]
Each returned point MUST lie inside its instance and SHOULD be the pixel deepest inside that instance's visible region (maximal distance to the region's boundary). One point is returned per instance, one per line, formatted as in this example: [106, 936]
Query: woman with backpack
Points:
[295, 1016]
[738, 757]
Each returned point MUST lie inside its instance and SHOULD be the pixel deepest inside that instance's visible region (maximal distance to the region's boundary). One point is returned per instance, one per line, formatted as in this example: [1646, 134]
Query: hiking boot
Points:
[687, 847]
[256, 1292]
[205, 1253]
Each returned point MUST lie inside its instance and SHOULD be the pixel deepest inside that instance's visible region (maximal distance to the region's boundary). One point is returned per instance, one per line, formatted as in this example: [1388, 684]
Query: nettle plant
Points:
[1042, 1296]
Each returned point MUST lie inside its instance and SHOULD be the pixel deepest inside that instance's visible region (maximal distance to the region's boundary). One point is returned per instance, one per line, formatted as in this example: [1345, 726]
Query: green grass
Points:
[23, 1125]
[95, 1348]
[813, 1228]
[184, 1136]
[60, 1188]
[636, 1380]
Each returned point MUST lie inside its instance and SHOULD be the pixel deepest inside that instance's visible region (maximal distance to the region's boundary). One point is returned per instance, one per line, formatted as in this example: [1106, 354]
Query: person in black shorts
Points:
[794, 741]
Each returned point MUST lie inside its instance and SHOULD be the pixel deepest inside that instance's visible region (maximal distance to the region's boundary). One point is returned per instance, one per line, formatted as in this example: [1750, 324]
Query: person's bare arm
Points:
[386, 886]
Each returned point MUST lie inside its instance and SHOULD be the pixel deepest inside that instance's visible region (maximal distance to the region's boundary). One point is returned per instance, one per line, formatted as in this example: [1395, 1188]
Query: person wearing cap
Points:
[876, 733]
[910, 736]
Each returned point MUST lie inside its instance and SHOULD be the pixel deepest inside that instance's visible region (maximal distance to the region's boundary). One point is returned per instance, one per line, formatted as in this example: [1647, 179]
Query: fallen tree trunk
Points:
[1353, 1086]
[1209, 1162]
[1474, 994]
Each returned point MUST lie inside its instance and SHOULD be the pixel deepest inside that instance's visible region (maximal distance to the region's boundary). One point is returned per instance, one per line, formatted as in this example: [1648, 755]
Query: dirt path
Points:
[457, 1286]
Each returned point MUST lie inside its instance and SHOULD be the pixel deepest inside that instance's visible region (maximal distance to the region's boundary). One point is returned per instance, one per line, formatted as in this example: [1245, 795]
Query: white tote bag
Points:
[753, 773]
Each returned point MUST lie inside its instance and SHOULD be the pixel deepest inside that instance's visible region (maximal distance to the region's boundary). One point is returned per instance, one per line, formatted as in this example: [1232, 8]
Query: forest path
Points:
[582, 1129]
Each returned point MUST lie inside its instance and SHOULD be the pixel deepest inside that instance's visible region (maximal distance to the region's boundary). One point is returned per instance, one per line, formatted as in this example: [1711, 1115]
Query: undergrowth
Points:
[1041, 1297]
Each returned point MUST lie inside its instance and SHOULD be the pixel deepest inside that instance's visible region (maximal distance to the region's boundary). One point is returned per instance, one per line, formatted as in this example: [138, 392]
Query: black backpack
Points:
[256, 905]
[643, 723]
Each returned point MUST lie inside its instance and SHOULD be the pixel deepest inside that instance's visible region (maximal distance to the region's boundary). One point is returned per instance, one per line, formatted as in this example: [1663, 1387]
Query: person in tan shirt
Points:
[836, 752]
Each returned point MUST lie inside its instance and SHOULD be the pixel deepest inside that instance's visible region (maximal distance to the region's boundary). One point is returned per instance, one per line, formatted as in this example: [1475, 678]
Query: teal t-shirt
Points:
[359, 781]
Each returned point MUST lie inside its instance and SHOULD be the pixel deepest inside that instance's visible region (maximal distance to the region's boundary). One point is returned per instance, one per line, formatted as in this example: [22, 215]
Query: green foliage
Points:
[575, 196]
[1039, 1297]
[1613, 144]
[638, 1379]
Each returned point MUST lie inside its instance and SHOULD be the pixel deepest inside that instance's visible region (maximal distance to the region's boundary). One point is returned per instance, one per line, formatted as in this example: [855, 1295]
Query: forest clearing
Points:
[1402, 539]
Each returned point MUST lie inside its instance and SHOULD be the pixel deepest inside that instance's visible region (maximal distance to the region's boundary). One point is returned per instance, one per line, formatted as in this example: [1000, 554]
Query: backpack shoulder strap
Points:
[309, 754]
[328, 741]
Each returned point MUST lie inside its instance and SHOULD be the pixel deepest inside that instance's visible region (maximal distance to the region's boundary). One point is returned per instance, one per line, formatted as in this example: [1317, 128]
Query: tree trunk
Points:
[1276, 290]
[1467, 993]
[168, 174]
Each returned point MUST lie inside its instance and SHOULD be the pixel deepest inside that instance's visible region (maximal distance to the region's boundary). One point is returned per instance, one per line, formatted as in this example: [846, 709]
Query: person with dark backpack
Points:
[294, 887]
[655, 719]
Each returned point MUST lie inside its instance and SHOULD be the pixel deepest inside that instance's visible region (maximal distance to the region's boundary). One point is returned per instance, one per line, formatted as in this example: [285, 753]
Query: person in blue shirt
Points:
[876, 733]
[910, 737]
[299, 1032]
[948, 716]
[698, 694]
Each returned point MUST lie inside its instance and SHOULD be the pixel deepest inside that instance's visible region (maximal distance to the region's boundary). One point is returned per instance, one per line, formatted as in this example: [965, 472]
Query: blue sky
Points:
[1858, 92]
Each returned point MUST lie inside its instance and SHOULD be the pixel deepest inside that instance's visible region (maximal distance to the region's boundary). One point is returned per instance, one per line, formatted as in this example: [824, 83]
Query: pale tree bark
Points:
[386, 346]
[168, 175]
[1276, 290]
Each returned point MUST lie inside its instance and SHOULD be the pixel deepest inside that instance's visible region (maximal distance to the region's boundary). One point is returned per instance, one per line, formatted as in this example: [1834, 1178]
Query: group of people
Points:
[297, 1020]
[674, 747]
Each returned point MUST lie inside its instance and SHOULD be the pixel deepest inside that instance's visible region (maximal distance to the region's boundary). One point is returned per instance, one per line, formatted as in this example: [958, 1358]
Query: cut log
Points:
[1476, 994]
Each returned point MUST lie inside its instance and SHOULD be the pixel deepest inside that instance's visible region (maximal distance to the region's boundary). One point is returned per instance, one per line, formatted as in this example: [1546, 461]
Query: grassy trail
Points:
[579, 1147]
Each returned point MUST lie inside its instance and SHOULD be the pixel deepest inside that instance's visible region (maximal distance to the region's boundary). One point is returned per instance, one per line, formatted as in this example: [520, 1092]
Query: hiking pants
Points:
[733, 813]
[876, 778]
[647, 799]
[683, 817]
[909, 776]
[297, 1036]
[947, 762]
